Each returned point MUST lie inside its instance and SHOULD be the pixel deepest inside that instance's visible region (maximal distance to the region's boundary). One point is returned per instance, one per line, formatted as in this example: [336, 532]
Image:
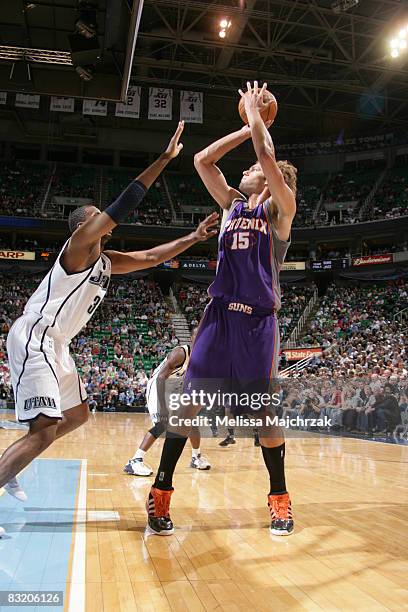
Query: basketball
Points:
[268, 113]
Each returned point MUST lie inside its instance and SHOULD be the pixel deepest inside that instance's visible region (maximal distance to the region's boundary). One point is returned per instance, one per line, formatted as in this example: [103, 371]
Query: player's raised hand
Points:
[174, 146]
[207, 228]
[253, 97]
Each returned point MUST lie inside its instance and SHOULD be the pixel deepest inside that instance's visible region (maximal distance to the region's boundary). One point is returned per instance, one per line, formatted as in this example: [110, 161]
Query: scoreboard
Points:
[330, 264]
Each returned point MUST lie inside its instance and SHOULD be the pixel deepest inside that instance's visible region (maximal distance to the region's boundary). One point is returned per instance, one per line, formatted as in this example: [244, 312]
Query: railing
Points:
[302, 363]
[294, 336]
[168, 195]
[174, 301]
[369, 198]
[188, 219]
[47, 192]
[401, 314]
[320, 200]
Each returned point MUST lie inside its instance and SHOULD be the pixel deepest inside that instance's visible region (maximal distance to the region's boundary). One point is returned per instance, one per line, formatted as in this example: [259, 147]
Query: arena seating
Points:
[123, 342]
[308, 195]
[391, 199]
[74, 182]
[23, 186]
[188, 190]
[193, 299]
[154, 210]
[359, 320]
[132, 332]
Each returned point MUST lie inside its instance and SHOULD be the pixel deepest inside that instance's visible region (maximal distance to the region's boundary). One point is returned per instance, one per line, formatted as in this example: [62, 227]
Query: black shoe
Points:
[228, 440]
[256, 441]
[214, 432]
[160, 525]
[158, 517]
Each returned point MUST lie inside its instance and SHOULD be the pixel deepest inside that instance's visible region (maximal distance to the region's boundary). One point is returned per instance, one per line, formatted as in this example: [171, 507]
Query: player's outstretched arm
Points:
[87, 236]
[205, 163]
[281, 194]
[122, 263]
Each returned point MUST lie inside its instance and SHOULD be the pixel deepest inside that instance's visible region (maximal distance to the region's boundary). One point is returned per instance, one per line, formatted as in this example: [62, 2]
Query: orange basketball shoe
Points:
[158, 517]
[280, 508]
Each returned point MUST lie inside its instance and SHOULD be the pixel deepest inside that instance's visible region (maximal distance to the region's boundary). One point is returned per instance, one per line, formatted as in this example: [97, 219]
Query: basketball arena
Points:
[203, 305]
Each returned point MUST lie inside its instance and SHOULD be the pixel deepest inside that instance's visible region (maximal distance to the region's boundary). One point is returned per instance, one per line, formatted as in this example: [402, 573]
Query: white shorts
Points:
[151, 400]
[173, 385]
[43, 374]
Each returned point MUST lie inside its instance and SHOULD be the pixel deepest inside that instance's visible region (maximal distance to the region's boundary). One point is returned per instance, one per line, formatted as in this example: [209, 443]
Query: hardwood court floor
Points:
[348, 552]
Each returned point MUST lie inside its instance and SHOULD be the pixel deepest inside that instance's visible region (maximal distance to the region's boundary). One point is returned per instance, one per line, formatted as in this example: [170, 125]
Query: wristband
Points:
[126, 203]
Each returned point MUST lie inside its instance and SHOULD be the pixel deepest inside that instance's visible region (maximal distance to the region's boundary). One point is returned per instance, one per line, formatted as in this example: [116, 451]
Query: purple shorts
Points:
[235, 351]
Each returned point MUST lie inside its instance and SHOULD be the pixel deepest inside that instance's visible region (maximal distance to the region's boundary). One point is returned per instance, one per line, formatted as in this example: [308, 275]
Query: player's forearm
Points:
[130, 198]
[219, 148]
[261, 138]
[166, 251]
[148, 176]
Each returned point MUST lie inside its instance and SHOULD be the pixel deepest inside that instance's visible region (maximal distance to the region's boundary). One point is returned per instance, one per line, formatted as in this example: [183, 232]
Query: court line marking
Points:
[78, 586]
[103, 515]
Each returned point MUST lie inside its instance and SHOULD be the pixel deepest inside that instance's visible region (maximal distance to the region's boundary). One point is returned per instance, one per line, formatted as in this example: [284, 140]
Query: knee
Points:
[157, 429]
[43, 438]
[79, 416]
[83, 415]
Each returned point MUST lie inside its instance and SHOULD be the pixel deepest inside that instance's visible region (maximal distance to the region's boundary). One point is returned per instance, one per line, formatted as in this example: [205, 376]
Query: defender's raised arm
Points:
[89, 224]
[123, 263]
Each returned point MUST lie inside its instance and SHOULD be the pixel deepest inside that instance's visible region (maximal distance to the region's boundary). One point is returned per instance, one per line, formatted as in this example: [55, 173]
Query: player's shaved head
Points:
[79, 215]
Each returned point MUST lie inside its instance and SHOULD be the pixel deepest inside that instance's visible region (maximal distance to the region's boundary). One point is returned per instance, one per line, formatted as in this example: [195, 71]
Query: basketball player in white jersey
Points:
[169, 373]
[48, 392]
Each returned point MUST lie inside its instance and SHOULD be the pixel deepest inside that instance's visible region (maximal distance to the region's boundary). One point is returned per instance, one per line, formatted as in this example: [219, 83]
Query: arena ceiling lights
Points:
[398, 45]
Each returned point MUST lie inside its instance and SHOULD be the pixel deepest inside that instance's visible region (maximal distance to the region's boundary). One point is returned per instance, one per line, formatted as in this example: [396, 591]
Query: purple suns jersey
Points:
[250, 257]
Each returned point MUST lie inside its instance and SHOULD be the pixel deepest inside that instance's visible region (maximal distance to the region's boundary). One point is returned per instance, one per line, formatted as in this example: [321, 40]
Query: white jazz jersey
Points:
[43, 373]
[174, 384]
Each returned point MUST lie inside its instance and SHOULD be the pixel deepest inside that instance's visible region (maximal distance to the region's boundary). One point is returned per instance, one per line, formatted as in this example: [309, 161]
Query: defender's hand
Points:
[174, 146]
[207, 228]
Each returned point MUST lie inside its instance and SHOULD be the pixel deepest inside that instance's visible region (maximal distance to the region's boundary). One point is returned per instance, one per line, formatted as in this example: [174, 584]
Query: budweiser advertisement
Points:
[17, 255]
[296, 354]
[369, 260]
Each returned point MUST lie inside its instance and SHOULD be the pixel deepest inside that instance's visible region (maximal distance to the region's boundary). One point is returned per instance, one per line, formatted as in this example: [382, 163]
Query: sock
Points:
[275, 464]
[172, 449]
[139, 454]
[196, 452]
[230, 432]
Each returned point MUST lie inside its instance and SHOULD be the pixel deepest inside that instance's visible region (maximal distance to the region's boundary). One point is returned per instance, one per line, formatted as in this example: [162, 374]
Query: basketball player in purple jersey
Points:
[238, 339]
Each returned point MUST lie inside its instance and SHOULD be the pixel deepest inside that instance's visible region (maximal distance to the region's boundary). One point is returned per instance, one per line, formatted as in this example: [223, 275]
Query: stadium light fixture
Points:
[225, 24]
[398, 43]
